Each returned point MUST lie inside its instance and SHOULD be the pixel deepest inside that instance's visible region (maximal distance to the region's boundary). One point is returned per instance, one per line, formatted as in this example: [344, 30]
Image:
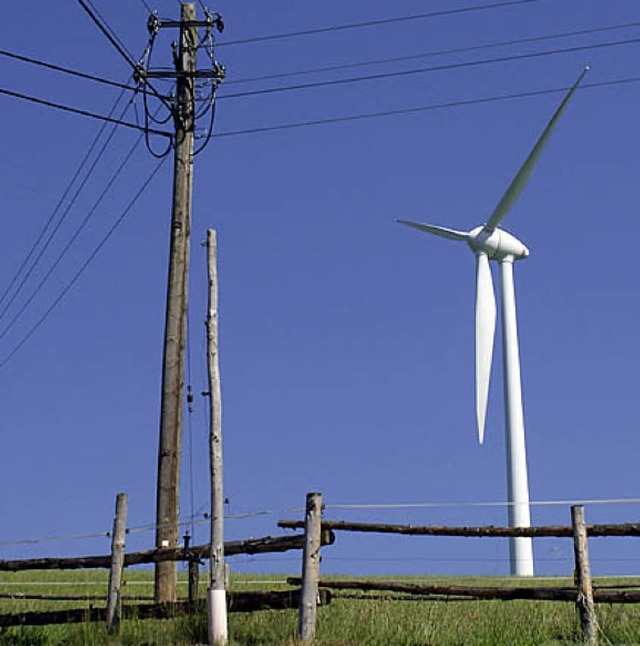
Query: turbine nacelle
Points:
[497, 244]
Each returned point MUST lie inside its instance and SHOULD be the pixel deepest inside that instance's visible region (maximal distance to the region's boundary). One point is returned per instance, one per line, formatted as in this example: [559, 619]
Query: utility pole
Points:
[172, 402]
[173, 363]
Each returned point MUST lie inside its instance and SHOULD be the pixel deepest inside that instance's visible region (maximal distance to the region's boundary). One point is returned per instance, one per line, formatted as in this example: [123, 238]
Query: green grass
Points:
[345, 622]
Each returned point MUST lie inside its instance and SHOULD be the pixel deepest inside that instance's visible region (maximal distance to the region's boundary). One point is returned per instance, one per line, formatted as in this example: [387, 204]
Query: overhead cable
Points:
[423, 108]
[433, 53]
[84, 266]
[103, 26]
[374, 23]
[121, 166]
[434, 68]
[84, 113]
[65, 70]
[58, 206]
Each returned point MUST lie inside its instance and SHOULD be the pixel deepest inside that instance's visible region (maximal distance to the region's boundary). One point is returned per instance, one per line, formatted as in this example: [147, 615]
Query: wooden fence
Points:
[315, 591]
[113, 609]
[583, 594]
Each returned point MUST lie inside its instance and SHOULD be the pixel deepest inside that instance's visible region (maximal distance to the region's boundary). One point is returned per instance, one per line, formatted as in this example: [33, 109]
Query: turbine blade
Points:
[443, 232]
[520, 180]
[485, 333]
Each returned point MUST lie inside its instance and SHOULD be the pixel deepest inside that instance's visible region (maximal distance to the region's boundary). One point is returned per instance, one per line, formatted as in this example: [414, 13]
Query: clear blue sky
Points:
[346, 340]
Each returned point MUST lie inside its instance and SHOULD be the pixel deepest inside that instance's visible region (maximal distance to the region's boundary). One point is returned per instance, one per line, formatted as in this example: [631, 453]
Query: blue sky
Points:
[346, 340]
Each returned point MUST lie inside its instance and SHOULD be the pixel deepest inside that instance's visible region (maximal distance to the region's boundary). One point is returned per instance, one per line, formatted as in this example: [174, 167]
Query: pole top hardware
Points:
[153, 23]
[211, 20]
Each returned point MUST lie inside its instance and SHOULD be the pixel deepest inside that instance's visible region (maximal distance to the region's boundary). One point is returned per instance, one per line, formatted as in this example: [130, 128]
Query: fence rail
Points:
[543, 531]
[238, 602]
[502, 593]
[268, 544]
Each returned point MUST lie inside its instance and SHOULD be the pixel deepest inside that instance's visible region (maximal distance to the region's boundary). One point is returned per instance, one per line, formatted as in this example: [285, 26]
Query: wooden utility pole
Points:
[172, 404]
[216, 597]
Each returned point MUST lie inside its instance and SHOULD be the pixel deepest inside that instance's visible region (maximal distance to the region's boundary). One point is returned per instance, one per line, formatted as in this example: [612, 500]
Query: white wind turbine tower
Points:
[490, 242]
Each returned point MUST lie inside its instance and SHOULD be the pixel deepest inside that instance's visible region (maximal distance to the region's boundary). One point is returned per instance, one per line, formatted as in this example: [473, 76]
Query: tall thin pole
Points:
[520, 549]
[168, 487]
[216, 597]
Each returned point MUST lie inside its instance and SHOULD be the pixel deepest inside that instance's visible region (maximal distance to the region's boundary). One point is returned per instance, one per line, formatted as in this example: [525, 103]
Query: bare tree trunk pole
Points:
[172, 400]
[117, 563]
[310, 568]
[216, 594]
[584, 601]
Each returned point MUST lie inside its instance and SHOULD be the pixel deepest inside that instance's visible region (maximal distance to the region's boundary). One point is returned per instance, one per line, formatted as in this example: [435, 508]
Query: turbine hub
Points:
[497, 244]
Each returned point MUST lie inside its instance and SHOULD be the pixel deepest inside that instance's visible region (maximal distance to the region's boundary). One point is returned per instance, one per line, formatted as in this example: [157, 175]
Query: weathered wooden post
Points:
[310, 567]
[584, 602]
[216, 593]
[194, 579]
[194, 569]
[117, 563]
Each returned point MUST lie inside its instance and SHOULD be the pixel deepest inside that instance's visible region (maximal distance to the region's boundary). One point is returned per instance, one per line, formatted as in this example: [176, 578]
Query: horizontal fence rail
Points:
[504, 593]
[238, 602]
[268, 544]
[558, 531]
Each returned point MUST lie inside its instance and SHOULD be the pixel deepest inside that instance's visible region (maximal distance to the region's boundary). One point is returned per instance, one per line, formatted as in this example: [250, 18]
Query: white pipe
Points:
[217, 614]
[521, 548]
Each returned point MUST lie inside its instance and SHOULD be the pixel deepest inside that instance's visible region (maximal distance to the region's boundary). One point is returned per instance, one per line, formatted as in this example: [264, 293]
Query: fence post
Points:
[310, 567]
[194, 579]
[584, 601]
[117, 563]
[194, 569]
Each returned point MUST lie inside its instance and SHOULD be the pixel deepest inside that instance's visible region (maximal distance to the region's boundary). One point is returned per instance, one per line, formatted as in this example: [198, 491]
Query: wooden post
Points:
[310, 568]
[194, 579]
[194, 569]
[117, 563]
[584, 601]
[216, 594]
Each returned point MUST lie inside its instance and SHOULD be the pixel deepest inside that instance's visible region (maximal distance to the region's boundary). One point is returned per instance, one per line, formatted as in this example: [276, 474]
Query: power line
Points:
[423, 108]
[65, 193]
[84, 266]
[434, 68]
[84, 113]
[73, 238]
[65, 70]
[102, 25]
[440, 52]
[373, 23]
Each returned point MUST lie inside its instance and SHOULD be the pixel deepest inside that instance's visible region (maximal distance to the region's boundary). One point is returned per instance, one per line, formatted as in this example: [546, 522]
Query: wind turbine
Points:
[490, 242]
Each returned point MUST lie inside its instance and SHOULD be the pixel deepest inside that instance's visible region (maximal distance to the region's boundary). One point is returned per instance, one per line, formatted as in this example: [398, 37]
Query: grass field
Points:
[346, 621]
